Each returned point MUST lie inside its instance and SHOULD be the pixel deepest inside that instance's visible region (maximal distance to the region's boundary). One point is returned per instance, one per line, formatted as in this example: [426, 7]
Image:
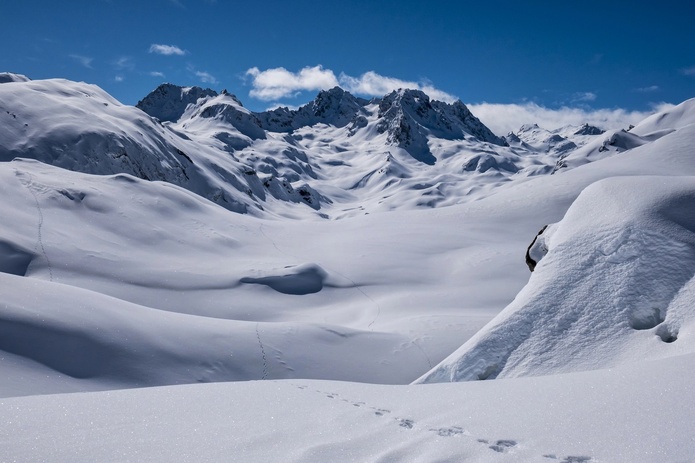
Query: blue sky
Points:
[587, 55]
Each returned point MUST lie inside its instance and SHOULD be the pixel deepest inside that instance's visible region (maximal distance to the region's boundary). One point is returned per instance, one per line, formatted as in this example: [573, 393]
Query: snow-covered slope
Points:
[615, 286]
[616, 283]
[79, 127]
[641, 414]
[113, 281]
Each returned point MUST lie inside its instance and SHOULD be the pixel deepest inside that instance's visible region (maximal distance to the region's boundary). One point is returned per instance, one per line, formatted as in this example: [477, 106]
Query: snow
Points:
[309, 274]
[7, 77]
[636, 414]
[593, 301]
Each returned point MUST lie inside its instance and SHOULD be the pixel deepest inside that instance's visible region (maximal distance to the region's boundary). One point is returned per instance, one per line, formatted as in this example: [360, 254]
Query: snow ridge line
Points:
[39, 243]
[265, 360]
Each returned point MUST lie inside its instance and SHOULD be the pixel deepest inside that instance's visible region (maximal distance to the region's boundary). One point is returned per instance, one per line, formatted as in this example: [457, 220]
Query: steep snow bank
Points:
[616, 286]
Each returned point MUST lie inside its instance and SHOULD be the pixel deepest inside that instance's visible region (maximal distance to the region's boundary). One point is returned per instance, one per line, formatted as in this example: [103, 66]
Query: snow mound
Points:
[299, 280]
[671, 119]
[7, 77]
[14, 259]
[616, 286]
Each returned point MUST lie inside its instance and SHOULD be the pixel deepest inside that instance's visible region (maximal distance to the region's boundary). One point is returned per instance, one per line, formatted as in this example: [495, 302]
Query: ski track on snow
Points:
[39, 240]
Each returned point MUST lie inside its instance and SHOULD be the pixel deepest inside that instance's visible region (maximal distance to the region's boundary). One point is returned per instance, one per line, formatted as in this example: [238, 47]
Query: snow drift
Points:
[616, 286]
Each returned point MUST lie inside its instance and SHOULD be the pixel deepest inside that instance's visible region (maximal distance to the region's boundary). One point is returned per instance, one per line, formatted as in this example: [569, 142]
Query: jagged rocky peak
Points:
[587, 129]
[526, 128]
[414, 102]
[7, 77]
[408, 111]
[470, 124]
[278, 120]
[168, 102]
[335, 106]
[227, 108]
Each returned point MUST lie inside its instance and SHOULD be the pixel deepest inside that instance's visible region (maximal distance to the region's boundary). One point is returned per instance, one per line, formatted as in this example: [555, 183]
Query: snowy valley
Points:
[188, 280]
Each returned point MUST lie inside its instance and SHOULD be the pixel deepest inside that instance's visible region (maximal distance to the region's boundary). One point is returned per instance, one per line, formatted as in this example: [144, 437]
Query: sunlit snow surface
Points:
[109, 283]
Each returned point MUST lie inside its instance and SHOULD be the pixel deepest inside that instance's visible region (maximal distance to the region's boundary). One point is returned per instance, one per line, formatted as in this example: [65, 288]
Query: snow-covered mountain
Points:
[336, 156]
[558, 141]
[125, 262]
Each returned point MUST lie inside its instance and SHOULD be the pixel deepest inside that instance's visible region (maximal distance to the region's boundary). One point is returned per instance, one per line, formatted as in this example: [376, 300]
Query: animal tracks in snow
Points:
[500, 446]
[405, 423]
[571, 459]
[503, 446]
[449, 432]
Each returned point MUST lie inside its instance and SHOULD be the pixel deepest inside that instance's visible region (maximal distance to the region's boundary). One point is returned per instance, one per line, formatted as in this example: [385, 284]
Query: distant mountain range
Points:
[339, 155]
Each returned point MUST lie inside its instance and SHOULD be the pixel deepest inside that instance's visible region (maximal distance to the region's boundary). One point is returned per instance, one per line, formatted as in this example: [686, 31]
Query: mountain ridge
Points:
[338, 155]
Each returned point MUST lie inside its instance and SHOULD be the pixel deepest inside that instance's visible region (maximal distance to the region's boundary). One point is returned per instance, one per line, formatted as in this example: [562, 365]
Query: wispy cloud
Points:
[119, 78]
[124, 62]
[690, 71]
[273, 84]
[167, 50]
[277, 83]
[85, 61]
[650, 89]
[206, 77]
[581, 97]
[373, 84]
[505, 118]
[156, 74]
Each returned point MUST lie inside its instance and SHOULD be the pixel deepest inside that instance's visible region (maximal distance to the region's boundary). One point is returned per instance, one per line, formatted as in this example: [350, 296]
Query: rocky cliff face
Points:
[168, 101]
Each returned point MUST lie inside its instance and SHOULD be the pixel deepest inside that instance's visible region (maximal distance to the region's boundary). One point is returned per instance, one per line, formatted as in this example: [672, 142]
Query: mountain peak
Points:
[334, 106]
[587, 129]
[168, 102]
[451, 121]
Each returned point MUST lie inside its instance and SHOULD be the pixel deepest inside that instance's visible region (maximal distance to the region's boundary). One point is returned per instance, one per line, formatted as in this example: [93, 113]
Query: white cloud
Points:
[124, 62]
[689, 71]
[651, 88]
[85, 61]
[156, 74]
[167, 50]
[273, 84]
[583, 96]
[505, 118]
[206, 77]
[118, 78]
[277, 83]
[372, 84]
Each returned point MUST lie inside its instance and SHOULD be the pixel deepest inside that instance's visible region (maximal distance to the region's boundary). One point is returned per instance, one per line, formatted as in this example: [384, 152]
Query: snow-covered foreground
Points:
[643, 413]
[109, 283]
